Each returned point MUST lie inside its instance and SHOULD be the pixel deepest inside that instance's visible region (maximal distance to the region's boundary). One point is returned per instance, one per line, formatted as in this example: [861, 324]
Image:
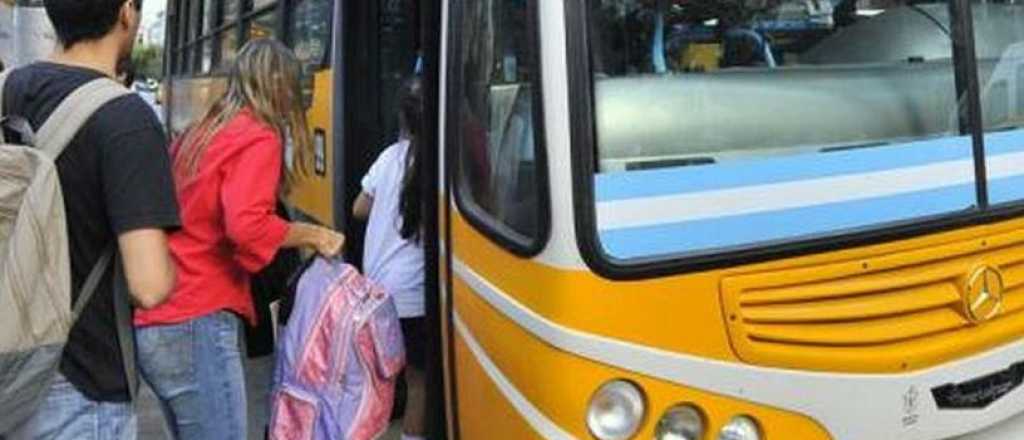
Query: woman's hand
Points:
[329, 243]
[324, 241]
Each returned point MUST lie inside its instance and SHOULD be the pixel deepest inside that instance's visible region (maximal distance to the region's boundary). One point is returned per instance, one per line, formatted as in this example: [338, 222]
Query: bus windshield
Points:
[731, 124]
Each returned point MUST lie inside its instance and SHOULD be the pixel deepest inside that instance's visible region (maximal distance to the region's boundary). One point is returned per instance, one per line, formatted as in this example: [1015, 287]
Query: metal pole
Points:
[968, 91]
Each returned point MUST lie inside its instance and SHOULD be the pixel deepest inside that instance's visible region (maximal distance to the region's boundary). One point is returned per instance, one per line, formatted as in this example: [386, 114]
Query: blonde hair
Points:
[265, 78]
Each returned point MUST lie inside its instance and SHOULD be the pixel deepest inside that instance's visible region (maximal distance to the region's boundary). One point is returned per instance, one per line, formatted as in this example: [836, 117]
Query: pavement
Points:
[257, 380]
[258, 374]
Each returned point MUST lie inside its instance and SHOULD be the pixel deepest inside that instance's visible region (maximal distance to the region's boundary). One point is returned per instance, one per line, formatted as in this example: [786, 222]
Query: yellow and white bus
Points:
[699, 219]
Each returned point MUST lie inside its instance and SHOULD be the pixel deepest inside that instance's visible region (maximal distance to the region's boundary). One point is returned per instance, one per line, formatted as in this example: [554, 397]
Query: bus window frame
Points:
[478, 217]
[582, 132]
[194, 33]
[171, 39]
[250, 15]
[288, 30]
[180, 41]
[186, 46]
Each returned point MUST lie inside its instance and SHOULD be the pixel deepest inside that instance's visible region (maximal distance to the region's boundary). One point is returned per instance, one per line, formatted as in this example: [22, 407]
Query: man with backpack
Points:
[92, 235]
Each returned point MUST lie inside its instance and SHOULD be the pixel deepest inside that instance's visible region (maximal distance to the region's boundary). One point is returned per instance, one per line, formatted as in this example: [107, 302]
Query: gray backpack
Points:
[35, 273]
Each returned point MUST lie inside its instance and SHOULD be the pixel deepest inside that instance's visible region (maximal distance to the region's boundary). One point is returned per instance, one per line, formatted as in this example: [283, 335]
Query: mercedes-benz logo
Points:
[983, 296]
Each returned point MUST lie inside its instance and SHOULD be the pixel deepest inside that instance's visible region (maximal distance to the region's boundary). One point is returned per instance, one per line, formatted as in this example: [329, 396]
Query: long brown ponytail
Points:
[410, 107]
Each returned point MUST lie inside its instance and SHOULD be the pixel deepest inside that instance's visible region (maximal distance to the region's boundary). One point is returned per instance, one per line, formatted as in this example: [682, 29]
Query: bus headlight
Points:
[682, 422]
[616, 411]
[740, 428]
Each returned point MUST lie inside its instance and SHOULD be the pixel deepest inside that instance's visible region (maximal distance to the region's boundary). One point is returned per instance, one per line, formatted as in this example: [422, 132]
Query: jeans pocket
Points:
[165, 355]
[226, 328]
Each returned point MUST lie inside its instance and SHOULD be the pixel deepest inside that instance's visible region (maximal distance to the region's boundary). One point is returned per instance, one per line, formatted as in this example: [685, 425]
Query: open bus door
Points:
[380, 45]
[440, 408]
[495, 206]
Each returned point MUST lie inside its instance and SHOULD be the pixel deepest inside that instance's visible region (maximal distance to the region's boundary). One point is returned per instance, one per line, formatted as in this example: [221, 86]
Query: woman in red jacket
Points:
[229, 172]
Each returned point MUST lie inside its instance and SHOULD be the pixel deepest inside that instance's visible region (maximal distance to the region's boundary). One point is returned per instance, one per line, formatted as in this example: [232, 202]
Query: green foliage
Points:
[148, 61]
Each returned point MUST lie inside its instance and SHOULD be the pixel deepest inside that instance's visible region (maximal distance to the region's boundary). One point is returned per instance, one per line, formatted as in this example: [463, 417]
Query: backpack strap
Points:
[3, 82]
[122, 312]
[92, 282]
[124, 315]
[74, 111]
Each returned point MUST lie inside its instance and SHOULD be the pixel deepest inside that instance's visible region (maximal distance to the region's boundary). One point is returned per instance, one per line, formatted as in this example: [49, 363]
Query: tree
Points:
[148, 61]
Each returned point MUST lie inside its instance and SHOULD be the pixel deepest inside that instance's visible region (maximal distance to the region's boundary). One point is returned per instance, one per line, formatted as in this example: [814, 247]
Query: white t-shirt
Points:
[388, 259]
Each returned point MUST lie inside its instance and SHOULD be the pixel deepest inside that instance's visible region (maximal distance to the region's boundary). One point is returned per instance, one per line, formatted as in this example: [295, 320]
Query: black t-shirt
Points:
[116, 177]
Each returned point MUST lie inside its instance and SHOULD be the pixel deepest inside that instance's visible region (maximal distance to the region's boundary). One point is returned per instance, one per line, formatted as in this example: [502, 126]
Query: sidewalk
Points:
[257, 372]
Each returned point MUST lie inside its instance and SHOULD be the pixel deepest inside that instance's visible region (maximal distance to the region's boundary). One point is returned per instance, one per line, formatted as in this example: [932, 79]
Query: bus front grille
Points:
[899, 312]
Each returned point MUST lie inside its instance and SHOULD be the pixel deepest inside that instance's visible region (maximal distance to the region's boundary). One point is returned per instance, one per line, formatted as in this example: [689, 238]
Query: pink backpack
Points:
[338, 358]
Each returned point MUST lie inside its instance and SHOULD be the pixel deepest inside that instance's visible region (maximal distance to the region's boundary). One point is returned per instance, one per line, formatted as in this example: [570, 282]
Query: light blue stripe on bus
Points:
[729, 231]
[1004, 142]
[681, 180]
[753, 172]
[1010, 189]
[723, 232]
[997, 144]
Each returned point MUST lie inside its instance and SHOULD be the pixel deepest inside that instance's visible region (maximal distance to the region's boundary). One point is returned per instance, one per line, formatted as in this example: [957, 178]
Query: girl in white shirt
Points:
[393, 252]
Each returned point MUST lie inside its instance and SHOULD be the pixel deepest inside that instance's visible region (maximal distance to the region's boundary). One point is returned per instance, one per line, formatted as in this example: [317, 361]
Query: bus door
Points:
[382, 43]
[385, 43]
[310, 24]
[496, 184]
[351, 80]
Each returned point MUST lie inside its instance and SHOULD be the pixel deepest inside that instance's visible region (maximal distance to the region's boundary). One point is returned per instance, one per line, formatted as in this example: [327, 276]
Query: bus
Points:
[683, 219]
[25, 32]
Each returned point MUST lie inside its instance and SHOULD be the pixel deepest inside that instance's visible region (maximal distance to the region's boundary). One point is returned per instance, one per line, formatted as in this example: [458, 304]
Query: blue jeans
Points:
[195, 369]
[67, 414]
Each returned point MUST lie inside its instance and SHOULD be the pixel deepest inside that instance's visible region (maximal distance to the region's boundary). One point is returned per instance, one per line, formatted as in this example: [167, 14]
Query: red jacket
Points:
[229, 226]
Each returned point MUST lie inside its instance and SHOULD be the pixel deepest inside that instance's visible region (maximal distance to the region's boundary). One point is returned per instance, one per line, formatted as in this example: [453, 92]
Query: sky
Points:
[150, 9]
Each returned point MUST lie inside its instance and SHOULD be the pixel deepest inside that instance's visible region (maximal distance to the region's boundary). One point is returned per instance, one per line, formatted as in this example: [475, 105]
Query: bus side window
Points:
[311, 40]
[497, 176]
